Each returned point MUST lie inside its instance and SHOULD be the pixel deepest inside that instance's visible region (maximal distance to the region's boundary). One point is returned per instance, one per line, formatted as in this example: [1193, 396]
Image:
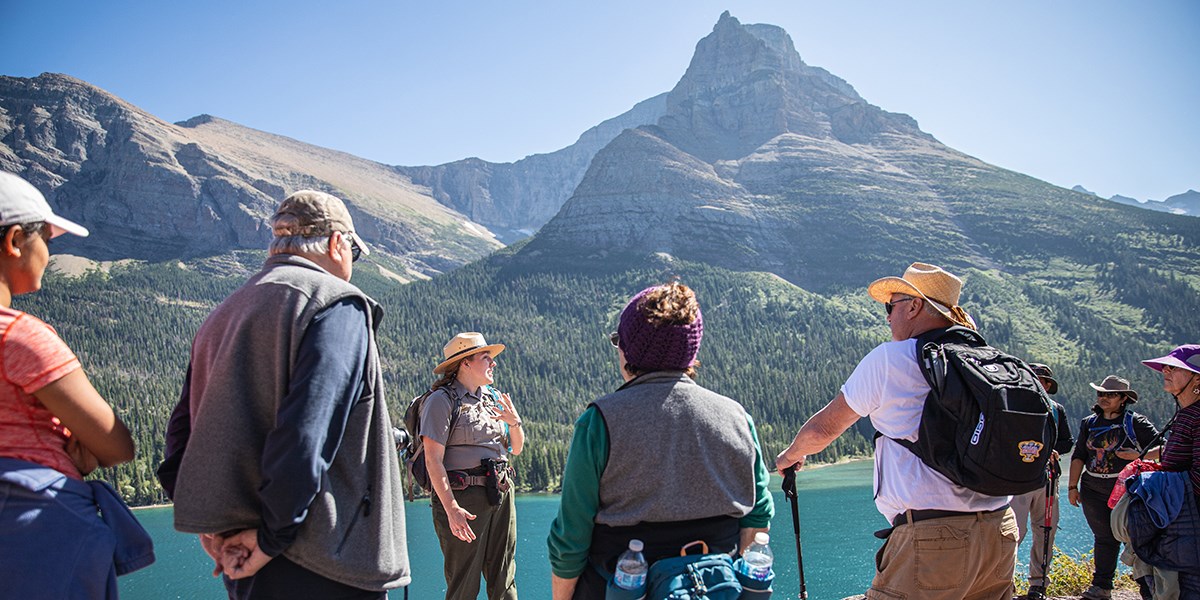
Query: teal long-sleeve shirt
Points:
[571, 533]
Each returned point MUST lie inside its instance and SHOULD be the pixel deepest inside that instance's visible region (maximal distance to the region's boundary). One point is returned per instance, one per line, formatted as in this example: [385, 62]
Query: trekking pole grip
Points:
[789, 482]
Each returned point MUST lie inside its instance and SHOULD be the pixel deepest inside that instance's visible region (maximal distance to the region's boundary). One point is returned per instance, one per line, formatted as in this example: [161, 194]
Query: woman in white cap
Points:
[1110, 438]
[54, 429]
[468, 431]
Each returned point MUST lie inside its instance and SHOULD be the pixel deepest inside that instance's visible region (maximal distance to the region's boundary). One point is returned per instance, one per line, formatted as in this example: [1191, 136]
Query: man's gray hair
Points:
[297, 244]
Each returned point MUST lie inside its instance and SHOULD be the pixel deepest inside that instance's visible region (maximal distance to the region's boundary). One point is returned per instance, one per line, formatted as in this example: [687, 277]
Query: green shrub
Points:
[1070, 576]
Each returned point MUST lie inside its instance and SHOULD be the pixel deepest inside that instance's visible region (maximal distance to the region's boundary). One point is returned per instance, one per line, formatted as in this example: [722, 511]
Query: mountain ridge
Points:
[779, 240]
[153, 190]
[516, 199]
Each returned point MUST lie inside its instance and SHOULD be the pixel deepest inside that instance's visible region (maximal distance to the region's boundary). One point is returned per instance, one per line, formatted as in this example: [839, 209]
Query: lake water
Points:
[837, 518]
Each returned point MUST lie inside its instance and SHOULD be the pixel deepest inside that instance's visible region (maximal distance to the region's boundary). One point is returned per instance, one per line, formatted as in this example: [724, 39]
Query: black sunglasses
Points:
[888, 306]
[355, 251]
[615, 339]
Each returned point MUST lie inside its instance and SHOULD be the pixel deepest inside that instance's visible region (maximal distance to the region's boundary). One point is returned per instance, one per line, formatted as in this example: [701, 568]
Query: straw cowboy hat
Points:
[1112, 383]
[930, 283]
[462, 346]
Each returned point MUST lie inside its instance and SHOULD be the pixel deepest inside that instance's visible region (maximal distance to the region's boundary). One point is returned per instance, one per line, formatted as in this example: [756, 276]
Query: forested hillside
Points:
[767, 184]
[780, 350]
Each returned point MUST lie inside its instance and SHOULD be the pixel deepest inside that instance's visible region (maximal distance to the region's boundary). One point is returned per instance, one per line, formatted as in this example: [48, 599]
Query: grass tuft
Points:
[1070, 576]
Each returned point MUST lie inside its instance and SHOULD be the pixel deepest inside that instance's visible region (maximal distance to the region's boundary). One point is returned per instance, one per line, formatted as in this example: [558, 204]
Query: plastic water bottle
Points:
[757, 559]
[631, 568]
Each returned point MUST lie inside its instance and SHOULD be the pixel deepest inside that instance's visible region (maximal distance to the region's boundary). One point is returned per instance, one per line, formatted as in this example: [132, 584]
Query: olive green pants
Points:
[491, 555]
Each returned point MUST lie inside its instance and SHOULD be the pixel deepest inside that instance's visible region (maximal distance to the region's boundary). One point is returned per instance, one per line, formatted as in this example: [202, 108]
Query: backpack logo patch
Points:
[1030, 450]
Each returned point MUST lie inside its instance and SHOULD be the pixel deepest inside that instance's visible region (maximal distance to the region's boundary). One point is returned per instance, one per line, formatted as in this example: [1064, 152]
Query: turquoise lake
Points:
[837, 518]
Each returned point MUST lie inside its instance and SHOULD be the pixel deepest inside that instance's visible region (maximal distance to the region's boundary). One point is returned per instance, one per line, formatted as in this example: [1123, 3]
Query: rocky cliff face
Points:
[152, 190]
[748, 130]
[762, 162]
[515, 199]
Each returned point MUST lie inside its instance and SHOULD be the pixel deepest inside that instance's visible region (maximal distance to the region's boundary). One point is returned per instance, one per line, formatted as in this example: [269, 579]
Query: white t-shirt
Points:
[888, 387]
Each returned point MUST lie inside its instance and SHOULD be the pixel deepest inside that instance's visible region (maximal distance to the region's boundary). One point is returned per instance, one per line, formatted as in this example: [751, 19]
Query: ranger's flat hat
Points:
[462, 346]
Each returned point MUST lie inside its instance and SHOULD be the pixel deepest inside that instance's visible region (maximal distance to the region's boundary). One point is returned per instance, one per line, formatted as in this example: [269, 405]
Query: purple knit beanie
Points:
[663, 348]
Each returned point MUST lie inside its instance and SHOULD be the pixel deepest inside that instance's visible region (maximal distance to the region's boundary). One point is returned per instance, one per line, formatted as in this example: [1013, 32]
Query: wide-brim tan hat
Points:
[463, 345]
[931, 283]
[1112, 383]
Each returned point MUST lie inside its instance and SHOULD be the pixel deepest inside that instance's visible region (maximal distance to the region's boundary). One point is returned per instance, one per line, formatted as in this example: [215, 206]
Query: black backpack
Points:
[987, 424]
[414, 452]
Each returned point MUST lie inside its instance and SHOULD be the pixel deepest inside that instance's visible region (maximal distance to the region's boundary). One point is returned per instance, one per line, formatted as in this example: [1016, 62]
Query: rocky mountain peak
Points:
[746, 84]
[762, 162]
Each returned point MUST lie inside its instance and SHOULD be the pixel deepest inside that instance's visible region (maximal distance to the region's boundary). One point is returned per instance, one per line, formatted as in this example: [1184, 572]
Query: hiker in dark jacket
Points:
[1109, 439]
[280, 452]
[468, 430]
[1030, 507]
[661, 459]
[1181, 379]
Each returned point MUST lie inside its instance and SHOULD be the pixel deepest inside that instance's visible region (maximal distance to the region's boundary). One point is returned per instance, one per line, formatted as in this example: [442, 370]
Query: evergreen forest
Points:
[780, 350]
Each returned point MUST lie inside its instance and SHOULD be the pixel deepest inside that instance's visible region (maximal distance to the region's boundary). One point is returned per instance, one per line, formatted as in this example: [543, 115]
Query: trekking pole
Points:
[789, 491]
[1051, 490]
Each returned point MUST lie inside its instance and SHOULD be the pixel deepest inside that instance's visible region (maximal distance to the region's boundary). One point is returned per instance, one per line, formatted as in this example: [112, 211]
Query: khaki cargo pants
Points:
[969, 557]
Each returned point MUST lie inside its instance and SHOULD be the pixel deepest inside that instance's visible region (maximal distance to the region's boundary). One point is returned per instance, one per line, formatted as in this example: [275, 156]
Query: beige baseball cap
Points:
[317, 214]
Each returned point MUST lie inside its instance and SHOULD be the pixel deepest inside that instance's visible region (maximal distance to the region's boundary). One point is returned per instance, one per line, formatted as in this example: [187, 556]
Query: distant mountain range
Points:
[769, 185]
[1187, 203]
[154, 190]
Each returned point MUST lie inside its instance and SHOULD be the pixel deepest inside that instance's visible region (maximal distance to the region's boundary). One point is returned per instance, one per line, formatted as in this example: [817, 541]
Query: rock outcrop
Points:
[515, 199]
[153, 190]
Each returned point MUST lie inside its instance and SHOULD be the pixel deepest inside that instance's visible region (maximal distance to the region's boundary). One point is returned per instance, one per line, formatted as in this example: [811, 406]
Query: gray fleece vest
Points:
[676, 452]
[242, 360]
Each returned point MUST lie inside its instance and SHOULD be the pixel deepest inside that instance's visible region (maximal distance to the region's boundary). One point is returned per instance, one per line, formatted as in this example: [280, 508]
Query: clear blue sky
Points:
[1092, 92]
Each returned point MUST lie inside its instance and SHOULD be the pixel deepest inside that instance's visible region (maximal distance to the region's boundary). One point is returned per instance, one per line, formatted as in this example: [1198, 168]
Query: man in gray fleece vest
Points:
[280, 452]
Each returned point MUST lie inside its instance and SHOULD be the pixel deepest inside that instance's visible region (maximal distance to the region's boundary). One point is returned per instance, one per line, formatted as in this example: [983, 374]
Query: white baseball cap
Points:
[22, 203]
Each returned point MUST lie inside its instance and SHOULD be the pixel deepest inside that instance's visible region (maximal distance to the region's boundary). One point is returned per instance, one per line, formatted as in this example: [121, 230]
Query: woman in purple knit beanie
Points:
[660, 330]
[661, 460]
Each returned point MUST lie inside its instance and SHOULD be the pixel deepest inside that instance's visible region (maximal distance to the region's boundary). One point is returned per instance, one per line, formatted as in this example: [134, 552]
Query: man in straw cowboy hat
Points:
[1110, 438]
[888, 387]
[280, 452]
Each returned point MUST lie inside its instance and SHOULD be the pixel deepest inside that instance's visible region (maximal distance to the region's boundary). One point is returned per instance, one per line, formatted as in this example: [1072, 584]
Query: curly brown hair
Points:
[670, 304]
